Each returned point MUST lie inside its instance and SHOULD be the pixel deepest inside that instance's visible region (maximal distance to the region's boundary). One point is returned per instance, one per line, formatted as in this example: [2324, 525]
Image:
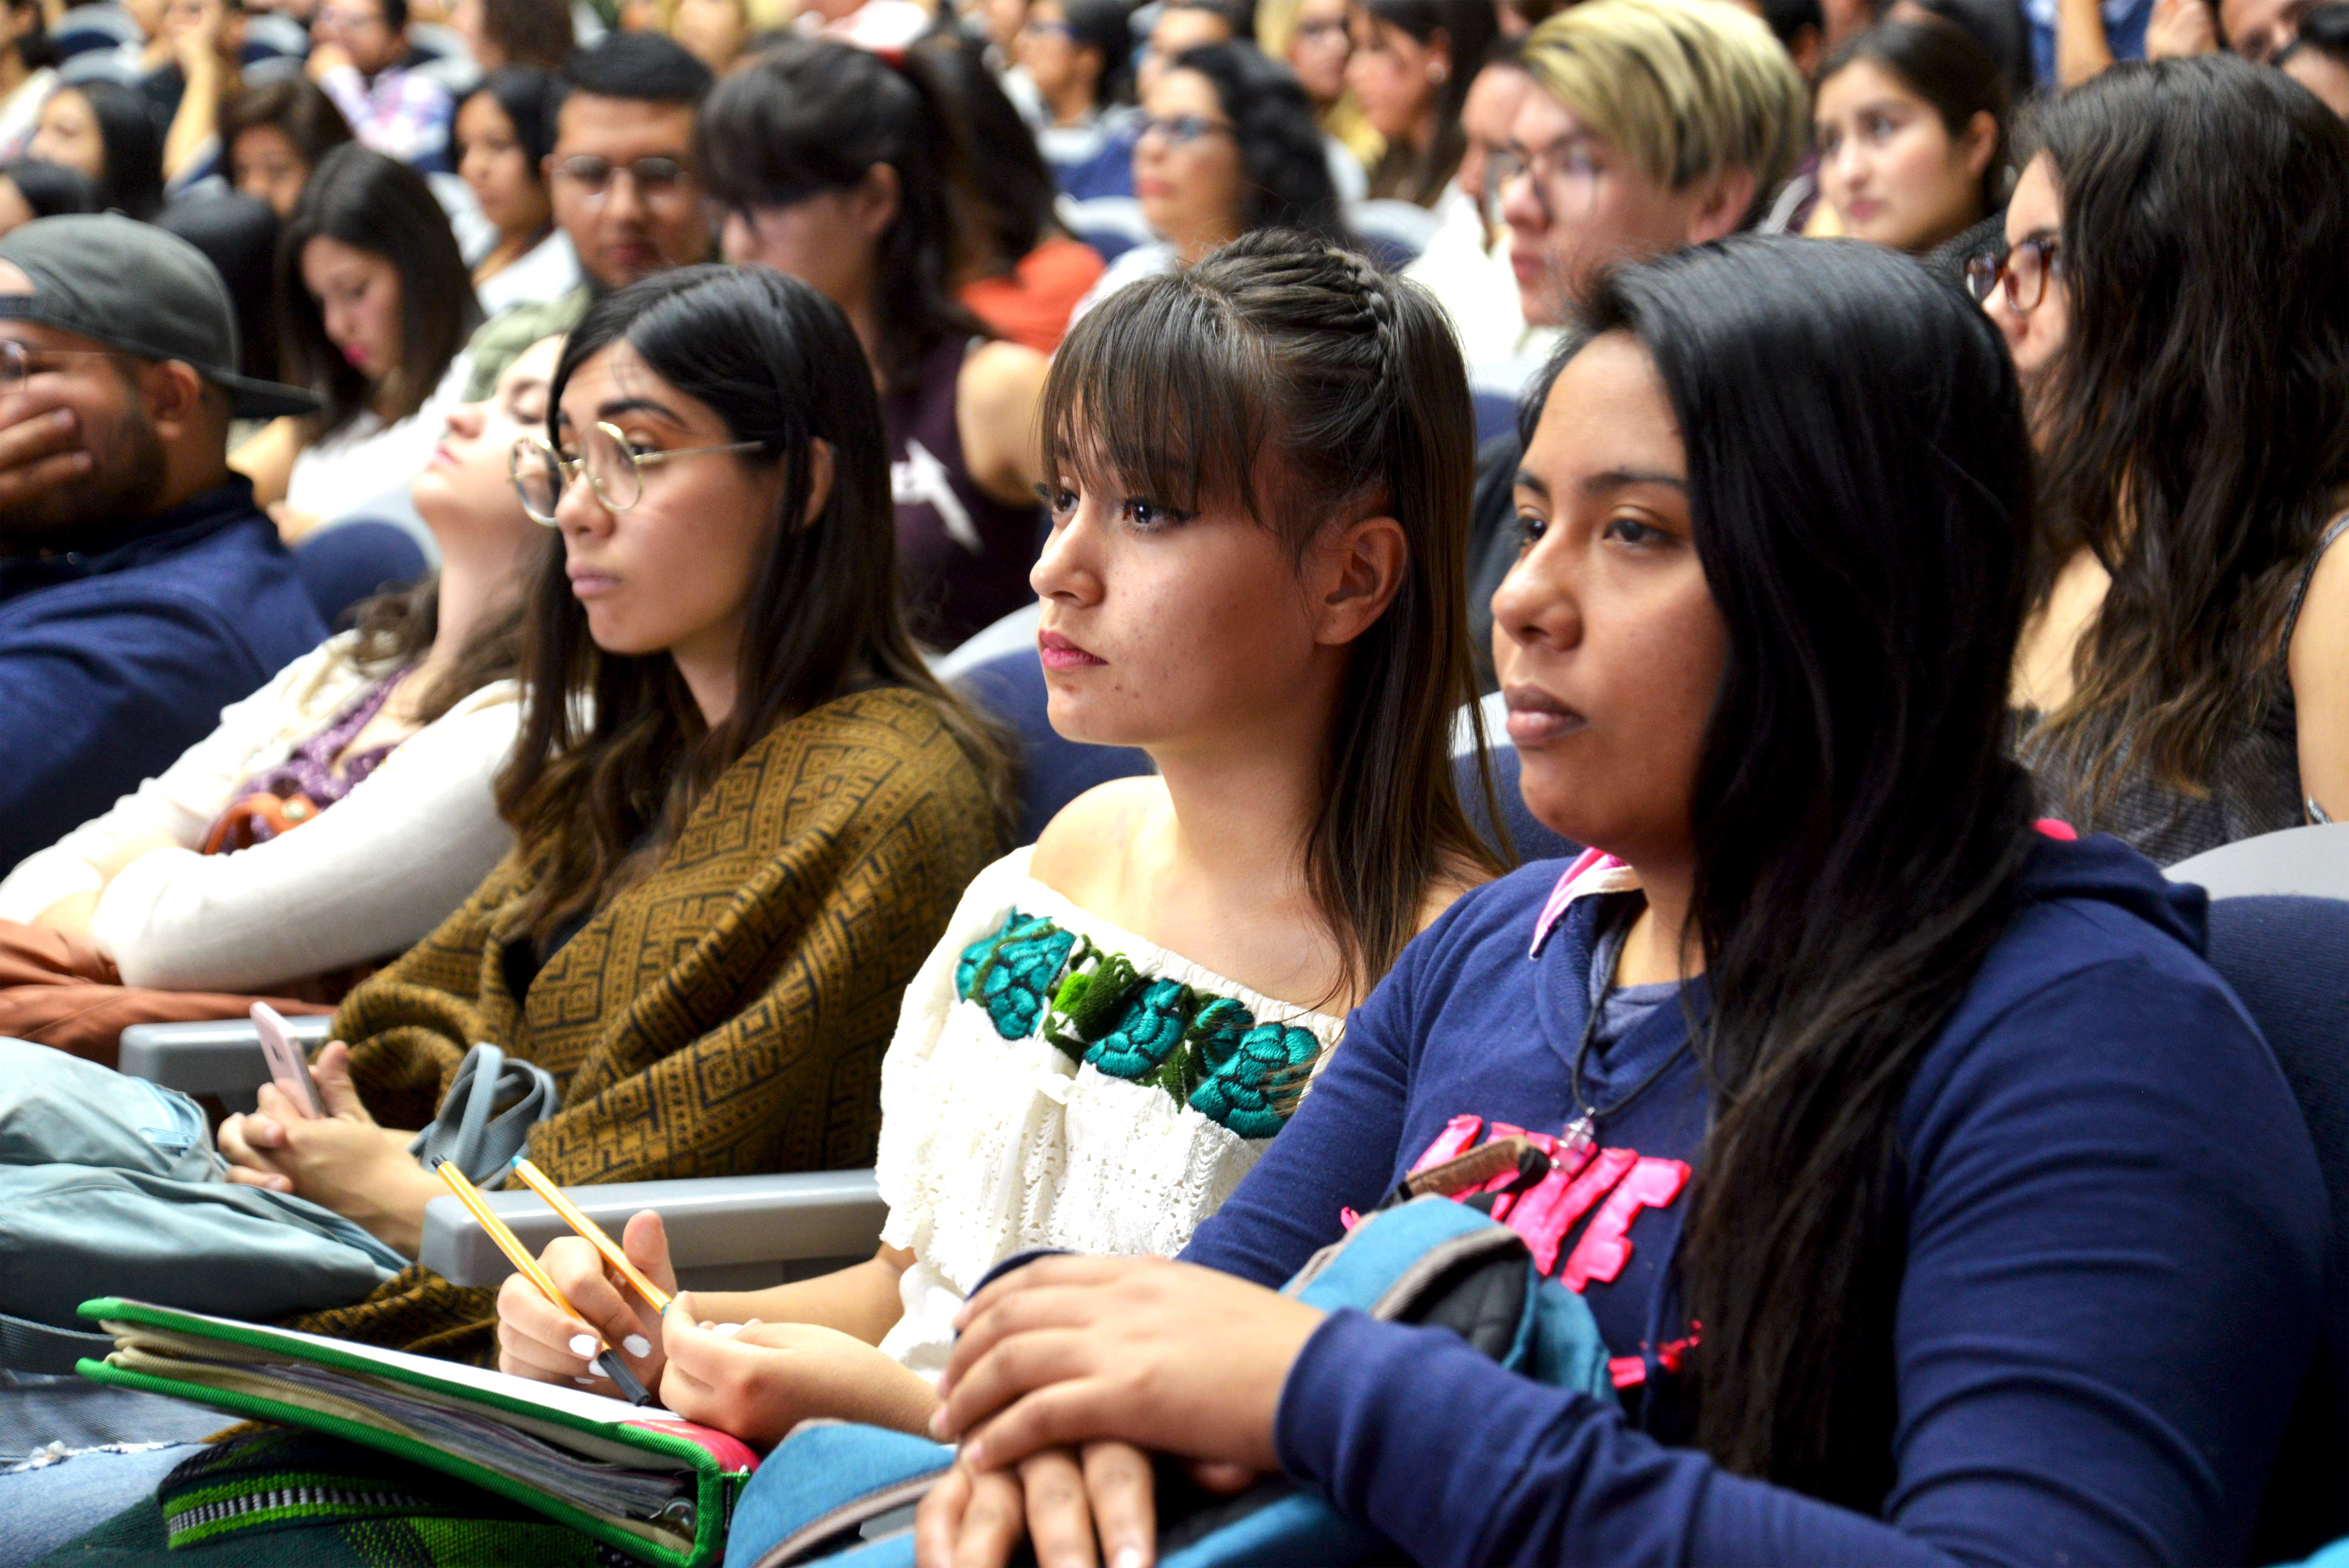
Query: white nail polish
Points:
[636, 1345]
[1128, 1557]
[584, 1346]
[726, 1330]
[585, 1382]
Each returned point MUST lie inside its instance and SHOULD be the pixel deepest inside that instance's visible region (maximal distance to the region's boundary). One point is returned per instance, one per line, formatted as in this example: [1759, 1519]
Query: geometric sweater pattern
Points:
[724, 1015]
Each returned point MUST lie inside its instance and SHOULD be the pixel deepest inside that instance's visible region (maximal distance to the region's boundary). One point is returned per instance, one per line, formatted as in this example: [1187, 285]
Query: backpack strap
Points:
[28, 1346]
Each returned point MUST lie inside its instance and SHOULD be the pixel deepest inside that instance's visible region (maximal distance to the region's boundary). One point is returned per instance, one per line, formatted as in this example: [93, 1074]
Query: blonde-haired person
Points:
[1653, 124]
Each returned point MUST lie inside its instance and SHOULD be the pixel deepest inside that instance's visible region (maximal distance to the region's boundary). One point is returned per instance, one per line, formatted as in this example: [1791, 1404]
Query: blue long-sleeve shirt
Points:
[2115, 1235]
[113, 663]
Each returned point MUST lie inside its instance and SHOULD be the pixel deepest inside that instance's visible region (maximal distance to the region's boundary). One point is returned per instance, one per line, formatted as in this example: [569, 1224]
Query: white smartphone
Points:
[289, 1070]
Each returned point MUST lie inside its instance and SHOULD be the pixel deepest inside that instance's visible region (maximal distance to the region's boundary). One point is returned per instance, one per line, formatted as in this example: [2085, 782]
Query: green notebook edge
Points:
[714, 1486]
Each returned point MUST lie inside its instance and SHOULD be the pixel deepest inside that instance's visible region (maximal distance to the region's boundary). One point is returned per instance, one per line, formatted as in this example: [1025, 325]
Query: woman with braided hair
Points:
[1260, 470]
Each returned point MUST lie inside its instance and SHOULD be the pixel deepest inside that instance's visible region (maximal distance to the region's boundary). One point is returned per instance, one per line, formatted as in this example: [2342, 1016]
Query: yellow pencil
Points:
[511, 1244]
[570, 1214]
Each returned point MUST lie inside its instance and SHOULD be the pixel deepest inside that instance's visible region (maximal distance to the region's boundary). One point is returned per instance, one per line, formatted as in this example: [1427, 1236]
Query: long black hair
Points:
[376, 204]
[1284, 169]
[2195, 419]
[815, 115]
[612, 746]
[1468, 26]
[1283, 347]
[1009, 194]
[1949, 71]
[1859, 484]
[1105, 27]
[133, 181]
[521, 93]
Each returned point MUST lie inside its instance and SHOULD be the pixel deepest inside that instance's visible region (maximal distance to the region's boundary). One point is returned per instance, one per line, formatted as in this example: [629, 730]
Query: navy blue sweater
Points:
[2116, 1239]
[113, 663]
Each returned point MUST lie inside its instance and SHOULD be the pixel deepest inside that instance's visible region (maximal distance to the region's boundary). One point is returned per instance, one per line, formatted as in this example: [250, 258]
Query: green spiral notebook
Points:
[641, 1480]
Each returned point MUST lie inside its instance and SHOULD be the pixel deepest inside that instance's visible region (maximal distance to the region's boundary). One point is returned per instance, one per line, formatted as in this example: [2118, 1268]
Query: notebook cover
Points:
[720, 1463]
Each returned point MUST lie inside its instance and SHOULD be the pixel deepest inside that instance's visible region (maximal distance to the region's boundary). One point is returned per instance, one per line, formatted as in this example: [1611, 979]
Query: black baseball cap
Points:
[135, 288]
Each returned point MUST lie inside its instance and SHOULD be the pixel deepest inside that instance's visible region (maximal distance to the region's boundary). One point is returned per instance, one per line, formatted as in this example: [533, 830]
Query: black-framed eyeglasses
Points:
[2025, 267]
[656, 180]
[19, 360]
[1314, 32]
[1040, 27]
[614, 470]
[1181, 129]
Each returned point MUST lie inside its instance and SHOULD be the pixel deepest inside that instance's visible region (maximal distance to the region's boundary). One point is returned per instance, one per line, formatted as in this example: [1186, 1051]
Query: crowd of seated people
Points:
[518, 521]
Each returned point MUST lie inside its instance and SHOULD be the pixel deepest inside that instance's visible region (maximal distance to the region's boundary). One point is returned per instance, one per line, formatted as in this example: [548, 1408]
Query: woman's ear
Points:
[876, 199]
[1358, 571]
[1980, 143]
[819, 481]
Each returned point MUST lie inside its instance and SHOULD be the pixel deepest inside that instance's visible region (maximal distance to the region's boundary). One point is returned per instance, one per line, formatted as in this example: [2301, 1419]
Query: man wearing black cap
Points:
[140, 589]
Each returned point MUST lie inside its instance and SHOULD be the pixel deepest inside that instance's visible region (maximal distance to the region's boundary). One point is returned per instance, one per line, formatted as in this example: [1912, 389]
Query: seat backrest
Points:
[349, 562]
[2287, 959]
[1053, 770]
[88, 29]
[2310, 860]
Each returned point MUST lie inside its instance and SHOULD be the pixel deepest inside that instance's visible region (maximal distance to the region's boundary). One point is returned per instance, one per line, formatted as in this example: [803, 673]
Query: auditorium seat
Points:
[349, 562]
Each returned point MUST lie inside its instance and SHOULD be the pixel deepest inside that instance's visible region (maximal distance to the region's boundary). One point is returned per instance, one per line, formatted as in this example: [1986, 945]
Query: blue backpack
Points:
[843, 1495]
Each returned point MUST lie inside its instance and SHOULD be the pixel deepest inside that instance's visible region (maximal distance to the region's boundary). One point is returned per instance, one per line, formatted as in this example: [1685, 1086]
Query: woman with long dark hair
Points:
[1261, 468]
[726, 733]
[1227, 146]
[1022, 274]
[107, 131]
[839, 168]
[1932, 1198]
[30, 188]
[375, 305]
[274, 136]
[1910, 121]
[2186, 673]
[504, 136]
[1410, 71]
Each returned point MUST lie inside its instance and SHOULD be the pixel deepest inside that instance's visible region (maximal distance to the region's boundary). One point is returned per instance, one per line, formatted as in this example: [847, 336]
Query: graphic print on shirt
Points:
[1617, 1184]
[921, 478]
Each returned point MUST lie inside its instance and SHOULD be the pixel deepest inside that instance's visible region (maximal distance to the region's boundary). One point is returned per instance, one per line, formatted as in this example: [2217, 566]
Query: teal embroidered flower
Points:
[1010, 973]
[1252, 1089]
[1148, 1034]
[1215, 1033]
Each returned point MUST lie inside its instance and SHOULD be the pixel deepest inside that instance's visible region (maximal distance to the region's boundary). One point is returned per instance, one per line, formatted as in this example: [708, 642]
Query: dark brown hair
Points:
[2196, 420]
[613, 753]
[377, 204]
[531, 32]
[1281, 344]
[1468, 26]
[395, 629]
[296, 108]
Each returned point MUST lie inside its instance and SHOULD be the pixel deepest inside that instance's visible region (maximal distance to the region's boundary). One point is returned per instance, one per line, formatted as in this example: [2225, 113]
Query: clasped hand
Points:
[1067, 1370]
[342, 1161]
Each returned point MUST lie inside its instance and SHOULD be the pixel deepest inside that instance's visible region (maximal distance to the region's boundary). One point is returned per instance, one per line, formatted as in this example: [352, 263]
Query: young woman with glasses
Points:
[1227, 146]
[1932, 1199]
[742, 808]
[2185, 682]
[1261, 469]
[838, 167]
[377, 303]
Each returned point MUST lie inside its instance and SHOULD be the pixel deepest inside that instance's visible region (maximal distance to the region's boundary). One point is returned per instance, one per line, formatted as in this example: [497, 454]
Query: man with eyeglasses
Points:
[141, 590]
[360, 59]
[1652, 125]
[622, 178]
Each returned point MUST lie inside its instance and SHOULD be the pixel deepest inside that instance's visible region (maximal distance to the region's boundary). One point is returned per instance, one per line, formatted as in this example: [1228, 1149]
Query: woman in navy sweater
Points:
[1936, 1201]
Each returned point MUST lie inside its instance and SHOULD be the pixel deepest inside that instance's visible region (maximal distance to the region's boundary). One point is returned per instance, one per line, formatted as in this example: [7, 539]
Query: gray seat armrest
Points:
[725, 1232]
[223, 1057]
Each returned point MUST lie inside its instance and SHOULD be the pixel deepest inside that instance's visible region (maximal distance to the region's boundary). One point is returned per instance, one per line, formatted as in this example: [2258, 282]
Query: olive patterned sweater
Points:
[725, 1015]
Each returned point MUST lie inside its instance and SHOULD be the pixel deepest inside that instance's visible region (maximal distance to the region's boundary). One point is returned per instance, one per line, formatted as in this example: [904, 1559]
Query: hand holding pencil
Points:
[537, 1338]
